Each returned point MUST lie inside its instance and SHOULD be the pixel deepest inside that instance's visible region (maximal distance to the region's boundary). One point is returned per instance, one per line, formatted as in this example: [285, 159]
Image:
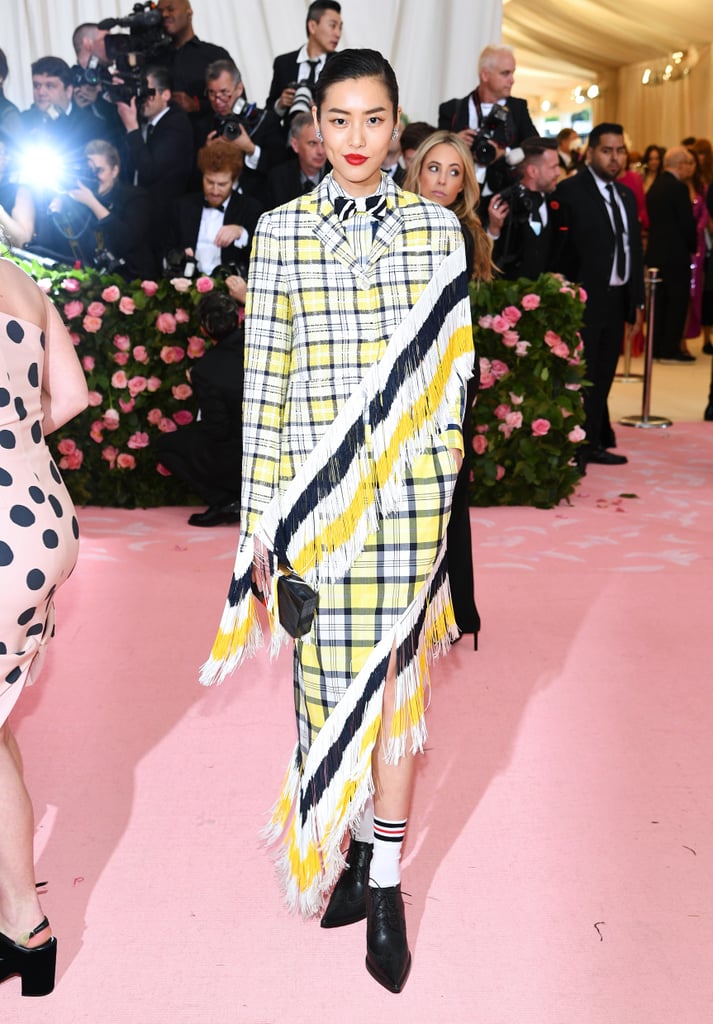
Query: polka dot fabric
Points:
[39, 533]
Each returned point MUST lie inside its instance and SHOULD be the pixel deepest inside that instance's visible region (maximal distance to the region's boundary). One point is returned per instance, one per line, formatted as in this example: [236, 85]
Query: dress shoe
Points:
[216, 515]
[678, 357]
[602, 457]
[347, 904]
[707, 348]
[708, 414]
[388, 959]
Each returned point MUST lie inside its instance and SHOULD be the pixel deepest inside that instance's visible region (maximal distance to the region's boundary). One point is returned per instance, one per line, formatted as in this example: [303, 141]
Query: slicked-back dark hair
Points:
[605, 128]
[218, 314]
[357, 63]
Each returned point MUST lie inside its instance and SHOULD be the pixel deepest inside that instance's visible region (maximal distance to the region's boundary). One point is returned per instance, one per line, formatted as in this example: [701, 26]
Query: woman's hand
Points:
[497, 212]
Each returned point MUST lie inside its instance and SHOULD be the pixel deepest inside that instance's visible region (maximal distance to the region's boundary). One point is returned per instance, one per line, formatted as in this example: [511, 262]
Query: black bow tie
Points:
[345, 207]
[210, 206]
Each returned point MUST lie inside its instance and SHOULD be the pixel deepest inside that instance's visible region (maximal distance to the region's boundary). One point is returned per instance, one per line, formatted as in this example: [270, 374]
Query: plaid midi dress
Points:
[357, 356]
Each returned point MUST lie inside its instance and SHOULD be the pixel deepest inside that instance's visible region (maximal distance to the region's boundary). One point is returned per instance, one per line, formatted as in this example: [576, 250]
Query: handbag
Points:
[296, 602]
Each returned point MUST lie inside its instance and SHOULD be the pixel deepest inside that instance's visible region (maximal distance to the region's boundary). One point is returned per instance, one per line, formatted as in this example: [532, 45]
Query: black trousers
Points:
[602, 348]
[670, 311]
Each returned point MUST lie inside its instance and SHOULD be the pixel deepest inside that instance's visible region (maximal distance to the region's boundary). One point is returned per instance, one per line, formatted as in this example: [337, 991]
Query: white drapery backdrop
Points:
[433, 45]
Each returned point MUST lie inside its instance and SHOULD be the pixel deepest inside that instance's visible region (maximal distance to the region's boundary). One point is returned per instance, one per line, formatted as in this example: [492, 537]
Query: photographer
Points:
[114, 236]
[490, 121]
[214, 227]
[256, 133]
[524, 240]
[304, 66]
[160, 152]
[88, 75]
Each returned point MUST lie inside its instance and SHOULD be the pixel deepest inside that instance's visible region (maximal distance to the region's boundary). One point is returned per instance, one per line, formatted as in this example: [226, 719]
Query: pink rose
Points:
[88, 363]
[501, 411]
[75, 338]
[573, 387]
[499, 472]
[111, 293]
[122, 342]
[560, 350]
[205, 284]
[73, 461]
[154, 416]
[162, 470]
[166, 324]
[95, 398]
[110, 453]
[540, 427]
[149, 287]
[566, 290]
[127, 305]
[91, 324]
[499, 369]
[181, 392]
[486, 322]
[96, 309]
[500, 324]
[510, 338]
[522, 347]
[183, 416]
[121, 358]
[552, 339]
[482, 428]
[196, 347]
[125, 461]
[119, 379]
[166, 426]
[96, 433]
[530, 301]
[153, 384]
[582, 294]
[480, 444]
[516, 399]
[137, 385]
[127, 405]
[45, 285]
[181, 316]
[178, 354]
[72, 309]
[565, 413]
[66, 446]
[111, 419]
[512, 314]
[71, 284]
[140, 354]
[181, 284]
[138, 440]
[514, 420]
[576, 434]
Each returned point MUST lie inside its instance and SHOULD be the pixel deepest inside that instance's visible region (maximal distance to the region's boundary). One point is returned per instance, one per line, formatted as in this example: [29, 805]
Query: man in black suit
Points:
[599, 247]
[159, 152]
[672, 240]
[292, 178]
[491, 109]
[525, 243]
[215, 226]
[324, 30]
[207, 453]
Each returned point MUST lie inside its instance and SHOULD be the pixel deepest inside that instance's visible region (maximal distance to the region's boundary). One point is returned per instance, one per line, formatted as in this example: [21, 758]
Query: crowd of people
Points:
[349, 475]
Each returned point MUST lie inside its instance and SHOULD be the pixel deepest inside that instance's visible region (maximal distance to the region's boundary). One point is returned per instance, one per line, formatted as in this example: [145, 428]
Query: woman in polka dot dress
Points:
[42, 386]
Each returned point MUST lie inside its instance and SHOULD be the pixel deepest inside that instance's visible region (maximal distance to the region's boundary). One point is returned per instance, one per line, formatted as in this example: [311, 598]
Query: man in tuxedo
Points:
[671, 242]
[159, 152]
[304, 66]
[294, 177]
[215, 226]
[489, 109]
[256, 133]
[599, 247]
[524, 245]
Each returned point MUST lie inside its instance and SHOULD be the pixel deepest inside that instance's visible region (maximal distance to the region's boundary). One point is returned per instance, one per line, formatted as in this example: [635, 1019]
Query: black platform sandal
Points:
[35, 964]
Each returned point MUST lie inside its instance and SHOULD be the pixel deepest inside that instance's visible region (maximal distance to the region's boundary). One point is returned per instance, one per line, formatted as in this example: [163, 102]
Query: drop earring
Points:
[395, 134]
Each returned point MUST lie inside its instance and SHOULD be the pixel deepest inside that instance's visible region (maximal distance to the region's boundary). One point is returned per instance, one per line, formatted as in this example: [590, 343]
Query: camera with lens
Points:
[74, 171]
[106, 262]
[492, 133]
[177, 264]
[228, 126]
[129, 53]
[226, 270]
[521, 201]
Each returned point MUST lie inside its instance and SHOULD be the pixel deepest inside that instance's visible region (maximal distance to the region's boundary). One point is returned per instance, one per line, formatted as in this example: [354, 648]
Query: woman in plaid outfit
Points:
[358, 350]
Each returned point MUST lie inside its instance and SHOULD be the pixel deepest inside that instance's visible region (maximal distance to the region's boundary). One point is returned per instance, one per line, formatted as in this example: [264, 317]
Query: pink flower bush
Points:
[196, 347]
[540, 427]
[181, 392]
[122, 342]
[512, 314]
[510, 338]
[126, 461]
[171, 354]
[181, 284]
[530, 301]
[111, 293]
[67, 446]
[576, 434]
[140, 354]
[139, 439]
[153, 383]
[166, 324]
[72, 461]
[111, 419]
[97, 309]
[149, 288]
[95, 398]
[120, 358]
[119, 379]
[166, 425]
[182, 317]
[137, 385]
[127, 405]
[127, 306]
[205, 284]
[499, 369]
[154, 417]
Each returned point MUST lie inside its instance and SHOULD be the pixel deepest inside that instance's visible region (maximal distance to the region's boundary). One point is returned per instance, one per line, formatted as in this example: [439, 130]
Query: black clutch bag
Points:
[296, 603]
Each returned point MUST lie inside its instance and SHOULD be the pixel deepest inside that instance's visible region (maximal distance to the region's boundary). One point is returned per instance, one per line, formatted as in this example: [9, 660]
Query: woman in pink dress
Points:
[42, 386]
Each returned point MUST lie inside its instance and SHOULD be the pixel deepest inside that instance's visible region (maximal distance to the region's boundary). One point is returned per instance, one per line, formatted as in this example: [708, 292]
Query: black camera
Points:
[228, 126]
[492, 132]
[129, 53]
[521, 201]
[106, 262]
[74, 171]
[177, 264]
[226, 270]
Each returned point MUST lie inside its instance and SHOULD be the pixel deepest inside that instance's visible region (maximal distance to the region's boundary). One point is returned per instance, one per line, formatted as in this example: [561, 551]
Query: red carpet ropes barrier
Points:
[138, 340]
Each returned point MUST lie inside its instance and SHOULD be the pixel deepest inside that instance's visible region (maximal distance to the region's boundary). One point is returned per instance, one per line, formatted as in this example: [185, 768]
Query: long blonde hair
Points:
[467, 201]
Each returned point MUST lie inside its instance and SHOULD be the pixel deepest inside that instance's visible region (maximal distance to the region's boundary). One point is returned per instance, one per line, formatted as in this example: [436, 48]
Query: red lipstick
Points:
[355, 159]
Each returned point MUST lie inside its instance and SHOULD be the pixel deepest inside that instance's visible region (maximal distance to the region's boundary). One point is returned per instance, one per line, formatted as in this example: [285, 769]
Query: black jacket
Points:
[453, 117]
[241, 209]
[672, 235]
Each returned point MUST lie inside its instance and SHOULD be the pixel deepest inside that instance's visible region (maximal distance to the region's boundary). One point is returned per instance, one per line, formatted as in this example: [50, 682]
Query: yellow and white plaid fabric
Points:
[355, 382]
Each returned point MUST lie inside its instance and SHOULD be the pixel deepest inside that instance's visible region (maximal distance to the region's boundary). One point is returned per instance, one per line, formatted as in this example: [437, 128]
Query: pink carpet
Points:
[559, 852]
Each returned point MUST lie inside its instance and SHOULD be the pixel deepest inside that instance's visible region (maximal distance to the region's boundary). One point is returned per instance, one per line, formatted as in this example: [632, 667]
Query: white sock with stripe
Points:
[385, 867]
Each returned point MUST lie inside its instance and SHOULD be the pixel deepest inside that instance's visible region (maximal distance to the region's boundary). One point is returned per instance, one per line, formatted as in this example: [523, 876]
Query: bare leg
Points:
[20, 909]
[393, 783]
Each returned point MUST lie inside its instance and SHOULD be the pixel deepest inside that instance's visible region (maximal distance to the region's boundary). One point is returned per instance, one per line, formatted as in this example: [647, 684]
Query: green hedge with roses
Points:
[137, 342]
[528, 418]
